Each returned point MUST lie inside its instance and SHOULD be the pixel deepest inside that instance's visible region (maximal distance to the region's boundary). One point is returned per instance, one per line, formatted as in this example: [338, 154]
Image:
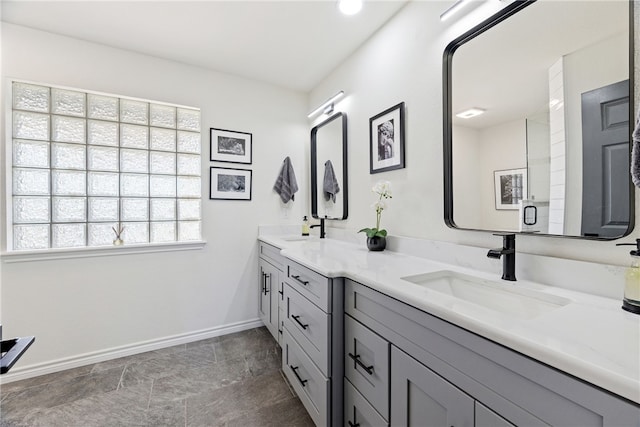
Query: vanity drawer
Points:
[359, 412]
[272, 254]
[312, 285]
[366, 363]
[310, 385]
[309, 326]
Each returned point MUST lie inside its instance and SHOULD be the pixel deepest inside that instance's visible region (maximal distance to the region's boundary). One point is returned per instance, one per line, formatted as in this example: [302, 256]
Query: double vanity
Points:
[388, 338]
[393, 339]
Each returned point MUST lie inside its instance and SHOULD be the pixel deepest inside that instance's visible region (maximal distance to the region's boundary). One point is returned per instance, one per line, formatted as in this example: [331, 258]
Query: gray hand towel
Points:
[635, 153]
[286, 184]
[330, 185]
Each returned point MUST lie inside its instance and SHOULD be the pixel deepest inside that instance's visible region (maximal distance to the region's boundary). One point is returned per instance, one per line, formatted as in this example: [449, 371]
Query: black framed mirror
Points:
[329, 195]
[538, 116]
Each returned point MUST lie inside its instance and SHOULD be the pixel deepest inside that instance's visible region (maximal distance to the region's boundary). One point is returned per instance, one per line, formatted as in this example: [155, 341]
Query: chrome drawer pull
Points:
[356, 359]
[304, 282]
[295, 369]
[294, 317]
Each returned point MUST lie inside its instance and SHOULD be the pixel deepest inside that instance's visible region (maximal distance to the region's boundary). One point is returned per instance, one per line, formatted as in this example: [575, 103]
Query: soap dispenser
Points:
[305, 226]
[631, 301]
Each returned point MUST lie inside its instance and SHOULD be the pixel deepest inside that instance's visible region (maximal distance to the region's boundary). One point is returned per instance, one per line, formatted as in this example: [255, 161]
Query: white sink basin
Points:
[506, 298]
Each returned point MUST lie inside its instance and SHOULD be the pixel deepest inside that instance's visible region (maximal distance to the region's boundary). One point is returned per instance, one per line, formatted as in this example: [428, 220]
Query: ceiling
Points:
[292, 44]
[506, 69]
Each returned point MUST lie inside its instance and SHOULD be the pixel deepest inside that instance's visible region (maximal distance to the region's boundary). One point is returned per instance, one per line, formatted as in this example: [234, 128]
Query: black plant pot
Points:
[376, 243]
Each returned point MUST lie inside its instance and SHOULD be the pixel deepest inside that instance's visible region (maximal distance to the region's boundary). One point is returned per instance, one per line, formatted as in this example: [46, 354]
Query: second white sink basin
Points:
[506, 298]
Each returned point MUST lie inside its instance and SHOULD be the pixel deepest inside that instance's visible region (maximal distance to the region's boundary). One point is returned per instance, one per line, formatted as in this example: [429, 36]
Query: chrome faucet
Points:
[508, 254]
[321, 225]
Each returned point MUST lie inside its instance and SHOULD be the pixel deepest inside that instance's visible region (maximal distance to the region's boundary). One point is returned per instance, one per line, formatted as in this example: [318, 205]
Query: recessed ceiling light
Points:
[350, 7]
[471, 112]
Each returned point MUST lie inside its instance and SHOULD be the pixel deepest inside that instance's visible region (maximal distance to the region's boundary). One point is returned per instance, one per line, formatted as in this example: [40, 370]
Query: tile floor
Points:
[232, 380]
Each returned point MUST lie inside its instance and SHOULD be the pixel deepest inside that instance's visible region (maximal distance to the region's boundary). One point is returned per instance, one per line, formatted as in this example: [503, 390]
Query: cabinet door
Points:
[419, 397]
[268, 287]
[274, 287]
[485, 417]
[264, 303]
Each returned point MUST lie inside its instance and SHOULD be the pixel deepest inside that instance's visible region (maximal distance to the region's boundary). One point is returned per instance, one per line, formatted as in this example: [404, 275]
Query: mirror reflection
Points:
[538, 106]
[329, 168]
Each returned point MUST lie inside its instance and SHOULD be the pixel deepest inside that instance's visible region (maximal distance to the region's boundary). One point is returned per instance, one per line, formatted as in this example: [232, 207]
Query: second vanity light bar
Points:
[454, 9]
[328, 103]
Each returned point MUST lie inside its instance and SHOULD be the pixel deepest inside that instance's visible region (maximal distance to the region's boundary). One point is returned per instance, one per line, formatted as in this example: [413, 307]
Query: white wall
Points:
[502, 147]
[538, 156]
[477, 155]
[403, 62]
[467, 198]
[79, 306]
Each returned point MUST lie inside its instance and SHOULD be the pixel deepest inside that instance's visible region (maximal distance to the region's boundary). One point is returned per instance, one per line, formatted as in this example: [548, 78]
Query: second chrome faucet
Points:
[508, 254]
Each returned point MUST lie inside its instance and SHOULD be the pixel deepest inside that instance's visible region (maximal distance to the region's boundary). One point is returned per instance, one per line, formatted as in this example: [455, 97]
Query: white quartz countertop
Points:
[591, 338]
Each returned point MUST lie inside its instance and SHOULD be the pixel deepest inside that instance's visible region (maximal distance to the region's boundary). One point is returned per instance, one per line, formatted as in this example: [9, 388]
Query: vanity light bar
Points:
[471, 112]
[454, 9]
[327, 105]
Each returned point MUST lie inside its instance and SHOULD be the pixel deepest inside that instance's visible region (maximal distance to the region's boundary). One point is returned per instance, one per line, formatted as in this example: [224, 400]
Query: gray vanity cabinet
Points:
[443, 375]
[485, 417]
[366, 364]
[422, 398]
[358, 411]
[271, 285]
[313, 341]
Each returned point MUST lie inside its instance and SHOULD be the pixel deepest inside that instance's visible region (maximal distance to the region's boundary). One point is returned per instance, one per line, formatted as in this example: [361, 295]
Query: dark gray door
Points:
[605, 161]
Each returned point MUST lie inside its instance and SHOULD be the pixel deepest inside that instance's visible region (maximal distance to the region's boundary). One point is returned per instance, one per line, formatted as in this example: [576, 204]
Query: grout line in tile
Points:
[153, 382]
[124, 368]
[185, 412]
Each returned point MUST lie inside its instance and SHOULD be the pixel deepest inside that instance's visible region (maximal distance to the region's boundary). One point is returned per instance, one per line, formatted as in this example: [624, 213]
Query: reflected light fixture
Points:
[454, 9]
[350, 7]
[327, 106]
[471, 112]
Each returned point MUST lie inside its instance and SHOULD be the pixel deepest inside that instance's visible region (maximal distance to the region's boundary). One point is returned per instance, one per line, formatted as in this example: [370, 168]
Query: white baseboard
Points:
[30, 371]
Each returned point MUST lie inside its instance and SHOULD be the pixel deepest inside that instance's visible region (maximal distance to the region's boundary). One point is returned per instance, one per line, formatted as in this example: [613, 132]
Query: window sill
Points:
[89, 252]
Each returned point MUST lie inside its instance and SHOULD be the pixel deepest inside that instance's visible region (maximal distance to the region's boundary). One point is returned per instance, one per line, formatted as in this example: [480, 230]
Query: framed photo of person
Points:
[229, 184]
[386, 140]
[230, 146]
[510, 188]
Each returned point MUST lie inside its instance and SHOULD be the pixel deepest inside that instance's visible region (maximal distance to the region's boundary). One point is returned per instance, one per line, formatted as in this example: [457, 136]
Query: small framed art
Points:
[230, 146]
[510, 188]
[229, 184]
[386, 140]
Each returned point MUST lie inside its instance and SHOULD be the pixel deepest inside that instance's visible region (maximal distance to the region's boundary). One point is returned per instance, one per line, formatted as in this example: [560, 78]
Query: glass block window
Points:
[85, 164]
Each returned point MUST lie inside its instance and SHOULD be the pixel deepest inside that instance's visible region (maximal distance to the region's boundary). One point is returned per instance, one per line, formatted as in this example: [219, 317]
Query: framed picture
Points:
[386, 140]
[510, 188]
[229, 184]
[230, 146]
